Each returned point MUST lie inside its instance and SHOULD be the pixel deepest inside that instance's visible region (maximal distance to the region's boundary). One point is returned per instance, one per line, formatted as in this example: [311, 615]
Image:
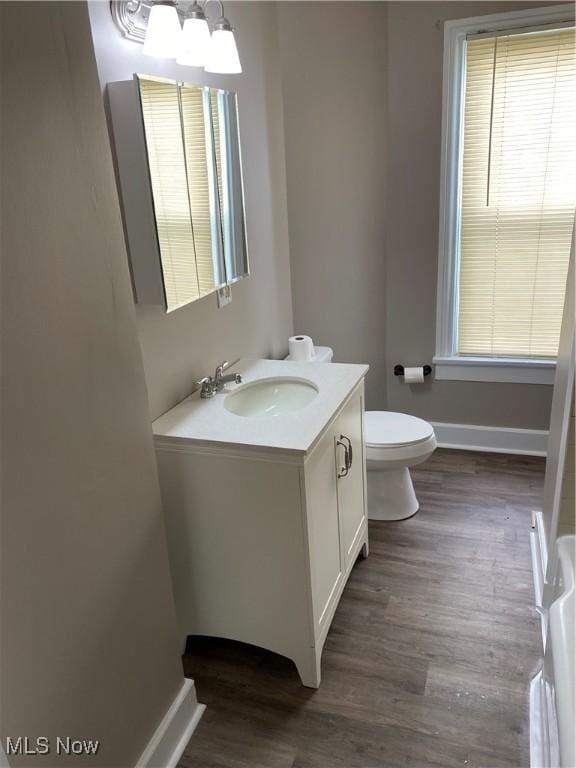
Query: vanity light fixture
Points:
[156, 23]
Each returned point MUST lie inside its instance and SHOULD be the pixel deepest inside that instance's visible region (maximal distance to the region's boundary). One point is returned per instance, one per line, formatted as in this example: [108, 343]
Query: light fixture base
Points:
[222, 23]
[131, 17]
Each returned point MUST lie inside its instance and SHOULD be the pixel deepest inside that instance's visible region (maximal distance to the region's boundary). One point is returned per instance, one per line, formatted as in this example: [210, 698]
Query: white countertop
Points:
[209, 422]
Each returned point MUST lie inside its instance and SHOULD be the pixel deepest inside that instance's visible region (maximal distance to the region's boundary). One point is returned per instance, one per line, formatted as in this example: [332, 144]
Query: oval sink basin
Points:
[271, 397]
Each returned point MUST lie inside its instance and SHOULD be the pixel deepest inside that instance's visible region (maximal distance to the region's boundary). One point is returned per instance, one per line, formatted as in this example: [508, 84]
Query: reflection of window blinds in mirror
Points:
[196, 161]
[216, 129]
[230, 209]
[216, 137]
[161, 112]
[234, 225]
[518, 192]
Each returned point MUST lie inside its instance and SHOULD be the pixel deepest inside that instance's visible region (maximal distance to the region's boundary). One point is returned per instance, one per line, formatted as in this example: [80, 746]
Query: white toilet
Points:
[394, 442]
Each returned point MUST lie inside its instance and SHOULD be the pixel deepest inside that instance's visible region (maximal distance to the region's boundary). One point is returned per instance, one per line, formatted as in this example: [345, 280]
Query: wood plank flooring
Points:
[430, 653]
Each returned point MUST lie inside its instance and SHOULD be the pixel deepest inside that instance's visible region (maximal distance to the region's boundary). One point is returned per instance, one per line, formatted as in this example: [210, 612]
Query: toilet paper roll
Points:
[301, 348]
[414, 375]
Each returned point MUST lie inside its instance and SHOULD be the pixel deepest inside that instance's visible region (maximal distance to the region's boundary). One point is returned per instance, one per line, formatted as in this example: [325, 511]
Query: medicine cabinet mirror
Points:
[180, 177]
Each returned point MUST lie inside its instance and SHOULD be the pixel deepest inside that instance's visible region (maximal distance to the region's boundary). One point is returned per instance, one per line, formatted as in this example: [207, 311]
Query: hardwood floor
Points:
[430, 653]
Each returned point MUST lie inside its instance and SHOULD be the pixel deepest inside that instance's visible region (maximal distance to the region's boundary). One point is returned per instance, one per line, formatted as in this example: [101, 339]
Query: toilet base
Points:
[391, 494]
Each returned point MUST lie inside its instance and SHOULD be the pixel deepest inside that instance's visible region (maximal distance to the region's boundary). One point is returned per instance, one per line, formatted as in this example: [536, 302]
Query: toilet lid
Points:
[388, 429]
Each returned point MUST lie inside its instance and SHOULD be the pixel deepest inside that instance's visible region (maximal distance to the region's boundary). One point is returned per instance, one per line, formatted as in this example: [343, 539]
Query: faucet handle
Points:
[202, 382]
[221, 368]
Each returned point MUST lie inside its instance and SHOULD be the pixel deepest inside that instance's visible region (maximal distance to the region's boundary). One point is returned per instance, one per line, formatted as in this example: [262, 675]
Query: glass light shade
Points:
[195, 43]
[223, 54]
[163, 34]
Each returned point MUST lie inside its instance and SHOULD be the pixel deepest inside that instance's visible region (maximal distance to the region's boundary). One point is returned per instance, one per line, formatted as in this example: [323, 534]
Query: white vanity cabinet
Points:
[262, 539]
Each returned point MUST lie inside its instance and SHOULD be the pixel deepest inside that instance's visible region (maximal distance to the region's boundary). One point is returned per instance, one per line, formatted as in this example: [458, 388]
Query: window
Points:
[508, 194]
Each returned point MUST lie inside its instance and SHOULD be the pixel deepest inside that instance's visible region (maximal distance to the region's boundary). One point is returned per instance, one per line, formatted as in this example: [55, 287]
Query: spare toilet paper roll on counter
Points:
[414, 375]
[301, 349]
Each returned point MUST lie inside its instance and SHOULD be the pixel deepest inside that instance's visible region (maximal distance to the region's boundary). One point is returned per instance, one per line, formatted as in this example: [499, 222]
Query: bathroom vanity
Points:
[264, 492]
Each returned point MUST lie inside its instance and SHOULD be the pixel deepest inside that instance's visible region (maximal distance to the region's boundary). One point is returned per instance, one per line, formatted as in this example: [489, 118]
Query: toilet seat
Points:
[397, 437]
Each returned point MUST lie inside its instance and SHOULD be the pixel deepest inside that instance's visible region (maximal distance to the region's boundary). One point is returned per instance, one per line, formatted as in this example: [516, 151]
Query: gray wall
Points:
[362, 87]
[88, 631]
[415, 46]
[334, 87]
[187, 344]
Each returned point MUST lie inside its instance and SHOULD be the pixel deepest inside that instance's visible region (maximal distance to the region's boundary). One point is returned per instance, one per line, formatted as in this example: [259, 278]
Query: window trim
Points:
[449, 364]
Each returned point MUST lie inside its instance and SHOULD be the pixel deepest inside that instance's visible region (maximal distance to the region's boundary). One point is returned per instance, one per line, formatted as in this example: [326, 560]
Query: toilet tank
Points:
[321, 355]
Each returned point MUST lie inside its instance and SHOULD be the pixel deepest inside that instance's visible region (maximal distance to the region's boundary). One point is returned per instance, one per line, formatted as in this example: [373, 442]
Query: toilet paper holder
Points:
[399, 370]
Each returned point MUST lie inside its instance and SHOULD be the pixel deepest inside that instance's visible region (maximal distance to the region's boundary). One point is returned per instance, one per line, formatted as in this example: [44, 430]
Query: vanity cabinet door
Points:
[326, 567]
[348, 438]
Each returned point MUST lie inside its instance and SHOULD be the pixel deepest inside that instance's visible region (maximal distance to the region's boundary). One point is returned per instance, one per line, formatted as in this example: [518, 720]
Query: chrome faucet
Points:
[213, 384]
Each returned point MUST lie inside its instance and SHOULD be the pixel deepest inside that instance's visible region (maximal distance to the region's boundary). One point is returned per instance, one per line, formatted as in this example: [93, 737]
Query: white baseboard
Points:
[3, 759]
[172, 735]
[470, 437]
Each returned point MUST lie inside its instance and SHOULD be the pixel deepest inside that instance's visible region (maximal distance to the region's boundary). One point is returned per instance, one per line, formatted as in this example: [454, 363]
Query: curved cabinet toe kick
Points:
[261, 541]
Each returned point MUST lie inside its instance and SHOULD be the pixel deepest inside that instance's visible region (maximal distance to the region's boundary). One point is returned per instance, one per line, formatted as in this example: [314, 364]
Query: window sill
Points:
[500, 370]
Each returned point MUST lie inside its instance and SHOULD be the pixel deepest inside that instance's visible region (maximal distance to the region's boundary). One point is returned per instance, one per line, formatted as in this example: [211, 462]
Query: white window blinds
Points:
[183, 142]
[198, 156]
[165, 144]
[518, 192]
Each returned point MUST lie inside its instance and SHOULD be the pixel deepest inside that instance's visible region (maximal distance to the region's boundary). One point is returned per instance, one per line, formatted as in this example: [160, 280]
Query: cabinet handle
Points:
[349, 452]
[346, 468]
